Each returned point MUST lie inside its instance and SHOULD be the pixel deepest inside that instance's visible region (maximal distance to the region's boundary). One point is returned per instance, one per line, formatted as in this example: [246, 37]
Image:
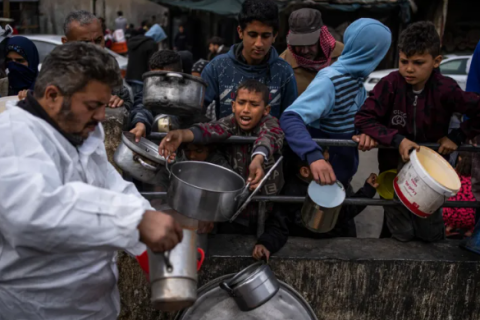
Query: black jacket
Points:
[286, 220]
[140, 50]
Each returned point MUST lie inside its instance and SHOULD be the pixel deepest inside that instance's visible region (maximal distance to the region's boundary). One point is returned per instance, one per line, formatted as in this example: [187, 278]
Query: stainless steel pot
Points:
[252, 287]
[162, 123]
[204, 191]
[140, 159]
[174, 279]
[173, 93]
[322, 217]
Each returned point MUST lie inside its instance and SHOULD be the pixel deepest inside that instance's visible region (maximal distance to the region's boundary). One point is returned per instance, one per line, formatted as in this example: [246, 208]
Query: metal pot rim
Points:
[322, 206]
[209, 164]
[164, 73]
[248, 272]
[127, 139]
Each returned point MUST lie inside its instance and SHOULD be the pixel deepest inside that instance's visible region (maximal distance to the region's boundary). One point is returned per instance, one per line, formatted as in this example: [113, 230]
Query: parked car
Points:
[453, 66]
[46, 43]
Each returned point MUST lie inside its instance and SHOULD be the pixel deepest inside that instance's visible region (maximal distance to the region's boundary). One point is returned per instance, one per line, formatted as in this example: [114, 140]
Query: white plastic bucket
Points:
[425, 182]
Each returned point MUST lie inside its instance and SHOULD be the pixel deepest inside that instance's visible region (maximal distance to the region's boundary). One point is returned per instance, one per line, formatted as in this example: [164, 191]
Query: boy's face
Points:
[196, 152]
[257, 40]
[213, 47]
[249, 108]
[417, 69]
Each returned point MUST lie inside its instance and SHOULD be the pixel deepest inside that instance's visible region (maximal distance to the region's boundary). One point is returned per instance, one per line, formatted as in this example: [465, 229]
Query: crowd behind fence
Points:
[348, 201]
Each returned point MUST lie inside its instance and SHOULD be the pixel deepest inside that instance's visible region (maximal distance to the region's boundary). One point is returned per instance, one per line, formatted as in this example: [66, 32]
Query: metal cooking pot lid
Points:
[144, 147]
[214, 303]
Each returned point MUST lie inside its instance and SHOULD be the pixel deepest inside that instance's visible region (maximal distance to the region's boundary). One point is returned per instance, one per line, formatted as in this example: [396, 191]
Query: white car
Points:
[455, 67]
[46, 43]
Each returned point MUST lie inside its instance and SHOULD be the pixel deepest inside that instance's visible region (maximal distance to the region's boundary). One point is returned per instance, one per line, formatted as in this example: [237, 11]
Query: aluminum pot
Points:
[173, 275]
[252, 287]
[322, 206]
[204, 191]
[140, 159]
[162, 123]
[173, 93]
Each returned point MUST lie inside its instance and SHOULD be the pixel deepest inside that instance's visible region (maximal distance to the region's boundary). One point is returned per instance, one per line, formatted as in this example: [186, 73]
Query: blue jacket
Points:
[330, 103]
[473, 80]
[224, 73]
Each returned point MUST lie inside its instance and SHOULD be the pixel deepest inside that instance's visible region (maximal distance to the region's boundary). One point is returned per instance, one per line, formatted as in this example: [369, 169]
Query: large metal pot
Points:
[252, 287]
[173, 93]
[322, 206]
[140, 159]
[173, 275]
[204, 191]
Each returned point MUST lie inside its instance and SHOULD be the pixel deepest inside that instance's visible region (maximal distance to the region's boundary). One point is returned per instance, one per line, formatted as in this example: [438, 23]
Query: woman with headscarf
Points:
[22, 62]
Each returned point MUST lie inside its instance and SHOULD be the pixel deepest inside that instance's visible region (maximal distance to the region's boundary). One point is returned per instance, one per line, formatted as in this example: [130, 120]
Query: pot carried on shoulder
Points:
[322, 206]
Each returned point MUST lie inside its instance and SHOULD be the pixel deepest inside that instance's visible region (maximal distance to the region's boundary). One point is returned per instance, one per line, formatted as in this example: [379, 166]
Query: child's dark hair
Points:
[265, 11]
[464, 165]
[216, 41]
[252, 85]
[419, 38]
[166, 59]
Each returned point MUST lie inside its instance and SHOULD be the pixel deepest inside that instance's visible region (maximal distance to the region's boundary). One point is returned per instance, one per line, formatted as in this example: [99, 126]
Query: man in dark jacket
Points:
[413, 105]
[140, 50]
[83, 26]
[253, 58]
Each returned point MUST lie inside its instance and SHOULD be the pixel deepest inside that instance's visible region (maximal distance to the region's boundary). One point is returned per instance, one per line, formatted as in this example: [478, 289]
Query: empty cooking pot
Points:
[173, 93]
[322, 206]
[252, 287]
[140, 159]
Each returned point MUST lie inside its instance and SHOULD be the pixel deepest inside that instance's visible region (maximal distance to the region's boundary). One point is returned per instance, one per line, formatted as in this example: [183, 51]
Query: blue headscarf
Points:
[21, 77]
[156, 32]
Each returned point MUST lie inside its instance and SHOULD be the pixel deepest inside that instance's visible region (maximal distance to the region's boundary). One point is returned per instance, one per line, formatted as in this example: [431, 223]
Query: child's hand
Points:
[22, 94]
[256, 171]
[205, 227]
[447, 146]
[115, 102]
[172, 141]
[260, 251]
[405, 147]
[373, 180]
[322, 172]
[365, 142]
[139, 131]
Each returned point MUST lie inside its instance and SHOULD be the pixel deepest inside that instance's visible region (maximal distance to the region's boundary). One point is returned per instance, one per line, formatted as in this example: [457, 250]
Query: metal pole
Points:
[324, 142]
[348, 201]
[6, 8]
[262, 216]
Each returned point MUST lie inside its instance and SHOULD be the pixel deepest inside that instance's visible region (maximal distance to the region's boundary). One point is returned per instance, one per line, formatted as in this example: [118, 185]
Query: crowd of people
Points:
[66, 210]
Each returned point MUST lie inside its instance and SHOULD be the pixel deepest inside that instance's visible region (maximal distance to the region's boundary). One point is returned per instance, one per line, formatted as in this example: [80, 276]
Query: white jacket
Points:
[63, 215]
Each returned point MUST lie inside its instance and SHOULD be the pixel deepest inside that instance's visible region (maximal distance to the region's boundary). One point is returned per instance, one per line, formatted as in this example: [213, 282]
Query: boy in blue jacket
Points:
[330, 103]
[253, 58]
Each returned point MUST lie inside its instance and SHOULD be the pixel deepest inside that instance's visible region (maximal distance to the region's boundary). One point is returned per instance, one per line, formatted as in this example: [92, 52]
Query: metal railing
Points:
[348, 201]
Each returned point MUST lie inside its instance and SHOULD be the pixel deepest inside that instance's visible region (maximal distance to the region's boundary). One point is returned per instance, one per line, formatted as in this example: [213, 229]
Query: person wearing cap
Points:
[328, 107]
[311, 47]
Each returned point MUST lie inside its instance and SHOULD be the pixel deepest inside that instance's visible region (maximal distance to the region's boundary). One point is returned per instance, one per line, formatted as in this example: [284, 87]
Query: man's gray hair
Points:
[83, 17]
[70, 67]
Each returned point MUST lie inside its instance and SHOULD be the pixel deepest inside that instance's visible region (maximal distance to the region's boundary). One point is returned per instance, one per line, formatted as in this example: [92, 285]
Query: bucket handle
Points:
[202, 258]
[168, 264]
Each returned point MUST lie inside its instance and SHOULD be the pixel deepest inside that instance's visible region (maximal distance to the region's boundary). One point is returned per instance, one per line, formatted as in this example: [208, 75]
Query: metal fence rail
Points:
[348, 201]
[325, 142]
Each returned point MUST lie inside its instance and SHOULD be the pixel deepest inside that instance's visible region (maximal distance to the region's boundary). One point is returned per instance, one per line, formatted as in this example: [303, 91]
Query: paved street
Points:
[369, 222]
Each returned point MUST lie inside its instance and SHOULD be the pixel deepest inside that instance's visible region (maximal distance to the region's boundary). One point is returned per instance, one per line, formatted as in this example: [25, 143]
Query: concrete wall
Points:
[53, 12]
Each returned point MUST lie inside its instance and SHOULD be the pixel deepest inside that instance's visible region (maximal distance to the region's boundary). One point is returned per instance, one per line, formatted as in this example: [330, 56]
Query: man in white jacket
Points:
[64, 210]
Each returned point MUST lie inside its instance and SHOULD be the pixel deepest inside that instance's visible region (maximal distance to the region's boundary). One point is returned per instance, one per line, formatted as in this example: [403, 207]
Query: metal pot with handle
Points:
[322, 206]
[140, 159]
[252, 287]
[208, 192]
[173, 93]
